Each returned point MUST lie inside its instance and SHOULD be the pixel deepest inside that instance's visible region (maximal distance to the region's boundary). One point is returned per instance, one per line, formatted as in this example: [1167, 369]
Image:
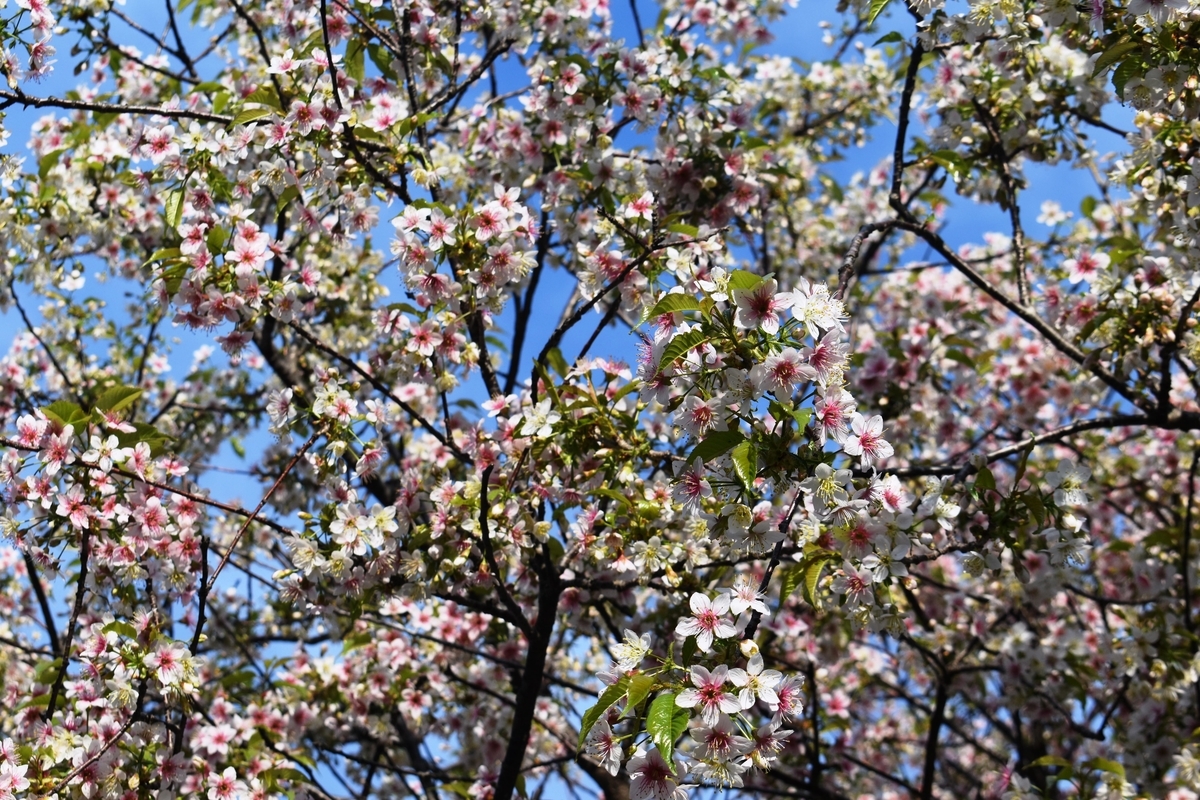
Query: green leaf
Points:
[47, 162]
[690, 231]
[163, 254]
[1121, 75]
[802, 416]
[556, 550]
[1034, 503]
[1119, 248]
[790, 581]
[743, 279]
[65, 413]
[672, 303]
[271, 777]
[356, 640]
[876, 8]
[123, 628]
[745, 463]
[264, 95]
[1051, 761]
[216, 238]
[355, 66]
[382, 60]
[1088, 206]
[958, 167]
[1090, 326]
[1105, 765]
[716, 444]
[960, 357]
[1022, 464]
[118, 398]
[46, 672]
[689, 651]
[887, 38]
[611, 695]
[239, 678]
[173, 208]
[640, 686]
[680, 346]
[251, 114]
[173, 276]
[985, 479]
[832, 187]
[287, 195]
[666, 722]
[156, 439]
[40, 701]
[1114, 54]
[558, 362]
[612, 494]
[812, 576]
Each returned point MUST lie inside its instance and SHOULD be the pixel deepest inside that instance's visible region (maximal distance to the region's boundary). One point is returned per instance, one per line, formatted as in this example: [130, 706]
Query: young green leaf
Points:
[745, 463]
[666, 722]
[715, 444]
[875, 9]
[64, 412]
[611, 695]
[680, 346]
[118, 398]
[672, 303]
[789, 581]
[173, 208]
[640, 686]
[251, 114]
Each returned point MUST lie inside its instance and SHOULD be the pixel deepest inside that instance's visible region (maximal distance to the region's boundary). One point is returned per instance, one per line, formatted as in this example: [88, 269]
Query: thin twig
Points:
[443, 439]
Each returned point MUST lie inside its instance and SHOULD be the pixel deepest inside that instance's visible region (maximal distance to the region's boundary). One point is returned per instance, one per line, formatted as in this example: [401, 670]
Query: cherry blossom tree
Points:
[504, 398]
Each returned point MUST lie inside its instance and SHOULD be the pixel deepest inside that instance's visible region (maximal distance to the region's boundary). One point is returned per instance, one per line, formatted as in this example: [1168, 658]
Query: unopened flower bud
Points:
[749, 648]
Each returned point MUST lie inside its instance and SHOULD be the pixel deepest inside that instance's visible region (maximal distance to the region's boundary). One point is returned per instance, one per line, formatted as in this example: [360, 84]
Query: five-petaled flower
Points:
[708, 693]
[708, 621]
[761, 306]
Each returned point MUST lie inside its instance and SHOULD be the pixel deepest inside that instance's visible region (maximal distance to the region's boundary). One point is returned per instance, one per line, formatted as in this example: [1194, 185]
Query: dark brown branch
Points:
[40, 591]
[12, 290]
[1000, 159]
[262, 47]
[443, 439]
[198, 498]
[521, 326]
[489, 555]
[1170, 348]
[207, 586]
[76, 610]
[549, 591]
[180, 51]
[910, 84]
[20, 98]
[1028, 316]
[574, 318]
[931, 741]
[1185, 558]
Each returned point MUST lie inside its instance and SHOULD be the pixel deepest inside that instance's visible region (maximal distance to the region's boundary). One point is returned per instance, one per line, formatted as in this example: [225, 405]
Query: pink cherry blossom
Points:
[708, 693]
[760, 307]
[708, 621]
